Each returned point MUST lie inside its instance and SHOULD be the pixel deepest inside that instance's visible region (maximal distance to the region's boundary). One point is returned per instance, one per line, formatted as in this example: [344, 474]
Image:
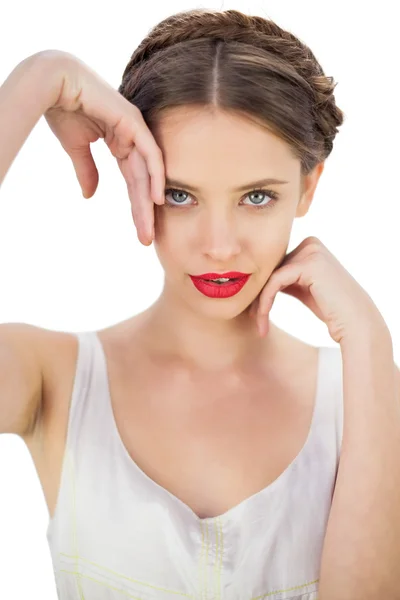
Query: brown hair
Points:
[241, 63]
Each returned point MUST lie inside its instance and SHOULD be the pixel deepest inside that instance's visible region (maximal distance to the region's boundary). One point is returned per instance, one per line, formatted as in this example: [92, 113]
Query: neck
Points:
[208, 343]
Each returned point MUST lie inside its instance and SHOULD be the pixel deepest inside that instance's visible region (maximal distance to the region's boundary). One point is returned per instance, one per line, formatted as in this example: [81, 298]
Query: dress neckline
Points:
[279, 481]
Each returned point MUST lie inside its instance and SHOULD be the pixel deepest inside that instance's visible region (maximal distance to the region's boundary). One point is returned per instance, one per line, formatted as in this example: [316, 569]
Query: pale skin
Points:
[217, 231]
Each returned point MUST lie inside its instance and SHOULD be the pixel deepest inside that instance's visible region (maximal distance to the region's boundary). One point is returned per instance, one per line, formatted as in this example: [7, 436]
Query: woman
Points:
[186, 452]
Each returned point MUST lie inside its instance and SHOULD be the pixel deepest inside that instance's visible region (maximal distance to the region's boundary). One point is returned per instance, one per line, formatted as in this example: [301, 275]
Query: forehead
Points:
[197, 140]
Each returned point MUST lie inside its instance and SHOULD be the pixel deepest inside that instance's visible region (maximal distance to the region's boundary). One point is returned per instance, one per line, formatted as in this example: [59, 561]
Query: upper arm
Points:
[20, 377]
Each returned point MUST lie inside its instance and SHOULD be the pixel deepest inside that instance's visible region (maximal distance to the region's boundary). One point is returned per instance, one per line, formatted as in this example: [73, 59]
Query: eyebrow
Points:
[253, 184]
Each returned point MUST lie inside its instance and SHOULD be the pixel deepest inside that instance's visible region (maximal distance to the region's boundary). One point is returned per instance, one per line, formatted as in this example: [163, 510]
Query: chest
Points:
[210, 441]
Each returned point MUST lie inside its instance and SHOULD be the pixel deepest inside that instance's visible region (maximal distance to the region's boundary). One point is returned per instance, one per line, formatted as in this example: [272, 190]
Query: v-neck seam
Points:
[276, 483]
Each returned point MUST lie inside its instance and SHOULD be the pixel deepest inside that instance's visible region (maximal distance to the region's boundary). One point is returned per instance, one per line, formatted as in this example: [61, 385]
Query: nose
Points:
[220, 236]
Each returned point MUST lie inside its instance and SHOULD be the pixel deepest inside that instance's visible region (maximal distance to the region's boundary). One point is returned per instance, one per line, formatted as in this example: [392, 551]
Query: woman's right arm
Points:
[80, 107]
[31, 88]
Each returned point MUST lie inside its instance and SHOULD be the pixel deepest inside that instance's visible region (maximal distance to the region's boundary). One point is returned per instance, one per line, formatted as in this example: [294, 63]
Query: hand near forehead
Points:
[87, 109]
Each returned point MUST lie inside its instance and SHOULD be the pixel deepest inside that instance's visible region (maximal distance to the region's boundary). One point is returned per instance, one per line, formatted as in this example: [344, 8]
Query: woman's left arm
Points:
[361, 551]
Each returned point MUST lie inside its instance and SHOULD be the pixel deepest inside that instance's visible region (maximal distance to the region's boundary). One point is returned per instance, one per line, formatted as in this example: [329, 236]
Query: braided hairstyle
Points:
[235, 62]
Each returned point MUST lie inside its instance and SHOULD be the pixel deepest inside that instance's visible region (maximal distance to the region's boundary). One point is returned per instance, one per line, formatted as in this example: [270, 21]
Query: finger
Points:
[253, 308]
[134, 170]
[144, 225]
[306, 244]
[143, 200]
[263, 325]
[148, 148]
[281, 278]
[85, 170]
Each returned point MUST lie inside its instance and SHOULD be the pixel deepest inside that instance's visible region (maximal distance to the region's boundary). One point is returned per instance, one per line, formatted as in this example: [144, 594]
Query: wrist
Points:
[45, 73]
[371, 333]
[28, 92]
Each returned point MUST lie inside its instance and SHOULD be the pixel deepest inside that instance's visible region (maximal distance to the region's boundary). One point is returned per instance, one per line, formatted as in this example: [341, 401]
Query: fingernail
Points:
[162, 192]
[159, 194]
[263, 326]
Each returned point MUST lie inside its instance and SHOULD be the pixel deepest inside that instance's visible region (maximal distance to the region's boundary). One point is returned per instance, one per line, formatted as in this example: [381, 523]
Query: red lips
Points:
[229, 274]
[224, 289]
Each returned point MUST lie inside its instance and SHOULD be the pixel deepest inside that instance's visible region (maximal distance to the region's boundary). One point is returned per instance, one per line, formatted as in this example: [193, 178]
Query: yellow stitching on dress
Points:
[216, 559]
[193, 597]
[222, 553]
[296, 587]
[201, 562]
[219, 522]
[128, 578]
[74, 524]
[79, 575]
[107, 585]
[206, 570]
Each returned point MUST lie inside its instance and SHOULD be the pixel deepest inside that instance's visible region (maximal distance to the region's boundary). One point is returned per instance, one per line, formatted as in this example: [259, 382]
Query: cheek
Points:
[171, 238]
[269, 233]
[171, 229]
[269, 245]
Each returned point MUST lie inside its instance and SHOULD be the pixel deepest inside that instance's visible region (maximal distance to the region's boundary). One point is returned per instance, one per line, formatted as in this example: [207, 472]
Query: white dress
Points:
[117, 534]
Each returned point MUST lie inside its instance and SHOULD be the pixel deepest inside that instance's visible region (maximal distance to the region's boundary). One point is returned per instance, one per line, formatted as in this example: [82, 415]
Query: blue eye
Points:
[172, 191]
[274, 197]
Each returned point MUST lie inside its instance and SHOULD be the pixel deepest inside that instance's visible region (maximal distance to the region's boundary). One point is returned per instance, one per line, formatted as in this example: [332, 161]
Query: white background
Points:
[72, 264]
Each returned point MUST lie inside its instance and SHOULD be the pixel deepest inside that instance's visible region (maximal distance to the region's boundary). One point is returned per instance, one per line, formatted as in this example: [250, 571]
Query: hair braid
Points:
[234, 26]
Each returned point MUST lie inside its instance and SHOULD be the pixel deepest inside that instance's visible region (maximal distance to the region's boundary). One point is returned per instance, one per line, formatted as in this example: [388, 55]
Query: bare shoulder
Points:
[59, 355]
[47, 438]
[58, 351]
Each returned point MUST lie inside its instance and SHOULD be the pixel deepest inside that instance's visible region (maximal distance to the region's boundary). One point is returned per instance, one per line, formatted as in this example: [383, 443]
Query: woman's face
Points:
[207, 223]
